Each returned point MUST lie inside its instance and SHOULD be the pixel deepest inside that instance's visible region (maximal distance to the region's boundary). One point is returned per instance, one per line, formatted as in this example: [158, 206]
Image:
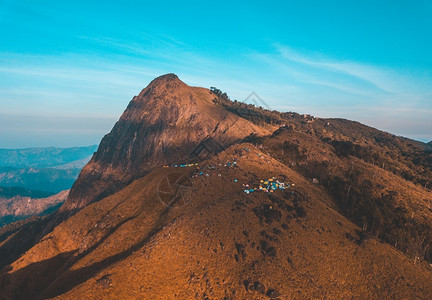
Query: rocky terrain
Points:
[22, 206]
[147, 135]
[195, 196]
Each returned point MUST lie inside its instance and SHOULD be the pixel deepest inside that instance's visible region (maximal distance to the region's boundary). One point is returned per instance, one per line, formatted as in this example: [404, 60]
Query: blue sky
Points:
[69, 68]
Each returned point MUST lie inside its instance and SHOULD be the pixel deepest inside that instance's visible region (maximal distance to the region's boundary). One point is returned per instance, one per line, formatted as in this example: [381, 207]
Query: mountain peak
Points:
[161, 91]
[166, 79]
[167, 122]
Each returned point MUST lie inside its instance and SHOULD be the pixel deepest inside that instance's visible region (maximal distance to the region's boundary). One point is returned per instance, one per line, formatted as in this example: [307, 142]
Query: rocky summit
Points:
[168, 121]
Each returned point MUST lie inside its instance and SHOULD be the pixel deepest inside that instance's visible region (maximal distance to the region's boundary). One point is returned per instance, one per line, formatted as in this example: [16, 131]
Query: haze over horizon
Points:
[68, 70]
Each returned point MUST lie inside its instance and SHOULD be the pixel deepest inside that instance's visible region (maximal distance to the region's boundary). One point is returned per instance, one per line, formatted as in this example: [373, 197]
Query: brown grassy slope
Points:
[401, 156]
[386, 205]
[409, 159]
[71, 241]
[219, 244]
[18, 237]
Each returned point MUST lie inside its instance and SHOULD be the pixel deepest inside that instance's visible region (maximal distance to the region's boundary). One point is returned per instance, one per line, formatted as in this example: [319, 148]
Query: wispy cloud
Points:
[398, 101]
[375, 76]
[355, 78]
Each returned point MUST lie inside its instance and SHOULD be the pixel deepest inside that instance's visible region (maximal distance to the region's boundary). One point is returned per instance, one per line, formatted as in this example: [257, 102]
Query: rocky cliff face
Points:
[167, 122]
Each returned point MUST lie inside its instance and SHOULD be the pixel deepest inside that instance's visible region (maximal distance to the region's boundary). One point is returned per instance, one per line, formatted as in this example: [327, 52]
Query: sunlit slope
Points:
[216, 242]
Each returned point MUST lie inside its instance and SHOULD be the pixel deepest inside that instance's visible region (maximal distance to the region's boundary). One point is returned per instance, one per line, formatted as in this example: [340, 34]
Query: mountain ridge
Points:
[47, 169]
[192, 195]
[42, 157]
[21, 207]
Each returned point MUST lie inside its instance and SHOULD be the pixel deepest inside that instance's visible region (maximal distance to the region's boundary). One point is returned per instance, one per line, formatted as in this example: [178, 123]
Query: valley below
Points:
[36, 181]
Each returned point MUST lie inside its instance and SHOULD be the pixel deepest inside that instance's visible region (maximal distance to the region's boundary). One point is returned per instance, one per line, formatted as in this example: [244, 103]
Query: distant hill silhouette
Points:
[46, 169]
[43, 157]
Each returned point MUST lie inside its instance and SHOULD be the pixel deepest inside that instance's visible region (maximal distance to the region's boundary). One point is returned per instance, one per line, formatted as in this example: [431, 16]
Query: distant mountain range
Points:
[43, 157]
[10, 192]
[36, 181]
[44, 169]
[45, 179]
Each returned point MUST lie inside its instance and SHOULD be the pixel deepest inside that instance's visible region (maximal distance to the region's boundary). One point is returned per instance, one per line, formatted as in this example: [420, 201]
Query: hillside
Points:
[194, 196]
[16, 203]
[218, 243]
[369, 193]
[20, 206]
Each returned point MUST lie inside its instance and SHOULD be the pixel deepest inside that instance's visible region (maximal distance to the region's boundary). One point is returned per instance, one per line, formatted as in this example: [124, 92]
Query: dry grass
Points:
[217, 245]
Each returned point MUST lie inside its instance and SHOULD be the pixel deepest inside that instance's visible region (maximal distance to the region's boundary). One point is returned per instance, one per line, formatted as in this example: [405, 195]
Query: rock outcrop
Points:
[167, 122]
